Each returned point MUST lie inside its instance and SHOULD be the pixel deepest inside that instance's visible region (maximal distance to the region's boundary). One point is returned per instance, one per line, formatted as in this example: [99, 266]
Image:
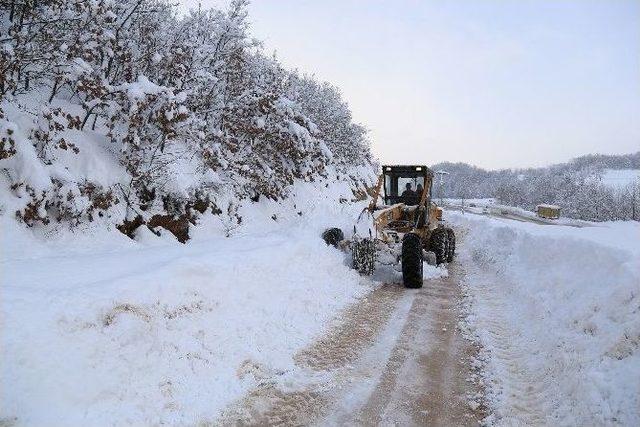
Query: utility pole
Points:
[633, 200]
[442, 173]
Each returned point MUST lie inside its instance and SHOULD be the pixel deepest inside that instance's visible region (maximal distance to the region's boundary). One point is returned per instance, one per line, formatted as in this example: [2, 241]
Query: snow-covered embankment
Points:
[99, 329]
[557, 311]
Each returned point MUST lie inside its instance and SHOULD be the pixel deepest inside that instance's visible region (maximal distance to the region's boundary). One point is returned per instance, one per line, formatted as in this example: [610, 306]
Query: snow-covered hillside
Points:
[557, 312]
[125, 114]
[125, 129]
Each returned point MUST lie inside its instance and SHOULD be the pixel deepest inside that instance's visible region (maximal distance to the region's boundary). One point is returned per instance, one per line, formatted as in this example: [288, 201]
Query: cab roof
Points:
[419, 170]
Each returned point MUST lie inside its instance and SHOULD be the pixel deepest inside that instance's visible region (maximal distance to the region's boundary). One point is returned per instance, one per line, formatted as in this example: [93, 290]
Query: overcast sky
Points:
[496, 83]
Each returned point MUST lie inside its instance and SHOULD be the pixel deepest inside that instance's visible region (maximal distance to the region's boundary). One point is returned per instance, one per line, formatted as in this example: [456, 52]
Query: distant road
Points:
[512, 214]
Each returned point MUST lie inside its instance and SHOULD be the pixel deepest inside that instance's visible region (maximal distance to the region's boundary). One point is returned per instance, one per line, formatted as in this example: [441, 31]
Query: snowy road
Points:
[396, 357]
[552, 343]
[511, 213]
[424, 381]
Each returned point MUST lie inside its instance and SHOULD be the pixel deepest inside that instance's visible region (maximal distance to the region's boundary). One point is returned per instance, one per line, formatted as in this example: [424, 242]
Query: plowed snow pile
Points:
[96, 329]
[557, 310]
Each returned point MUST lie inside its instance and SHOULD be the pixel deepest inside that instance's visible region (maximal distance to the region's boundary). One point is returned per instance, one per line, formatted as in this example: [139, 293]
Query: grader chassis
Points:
[412, 220]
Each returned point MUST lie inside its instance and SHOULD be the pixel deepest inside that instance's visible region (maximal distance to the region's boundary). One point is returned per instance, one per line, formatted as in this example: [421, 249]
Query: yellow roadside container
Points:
[548, 211]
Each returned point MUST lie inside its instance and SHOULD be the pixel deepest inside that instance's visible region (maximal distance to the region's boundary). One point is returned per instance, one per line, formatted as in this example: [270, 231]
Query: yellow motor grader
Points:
[401, 212]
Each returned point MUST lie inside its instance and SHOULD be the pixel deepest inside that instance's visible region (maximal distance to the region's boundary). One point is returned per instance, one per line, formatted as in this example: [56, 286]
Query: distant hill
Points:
[581, 186]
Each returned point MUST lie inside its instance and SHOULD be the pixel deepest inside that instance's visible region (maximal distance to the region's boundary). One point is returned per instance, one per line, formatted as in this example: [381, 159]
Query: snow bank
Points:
[100, 329]
[557, 310]
[162, 334]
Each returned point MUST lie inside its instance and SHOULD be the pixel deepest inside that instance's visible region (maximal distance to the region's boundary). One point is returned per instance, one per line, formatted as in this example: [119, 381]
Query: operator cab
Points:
[406, 184]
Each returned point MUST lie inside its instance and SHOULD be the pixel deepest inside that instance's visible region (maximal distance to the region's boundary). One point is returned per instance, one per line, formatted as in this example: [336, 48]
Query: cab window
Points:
[395, 185]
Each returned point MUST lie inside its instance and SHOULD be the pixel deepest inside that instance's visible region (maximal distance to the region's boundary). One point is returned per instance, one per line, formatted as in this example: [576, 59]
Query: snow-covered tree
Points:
[184, 104]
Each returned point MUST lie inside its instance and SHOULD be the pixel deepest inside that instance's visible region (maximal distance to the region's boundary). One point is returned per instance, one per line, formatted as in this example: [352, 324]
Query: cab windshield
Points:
[403, 189]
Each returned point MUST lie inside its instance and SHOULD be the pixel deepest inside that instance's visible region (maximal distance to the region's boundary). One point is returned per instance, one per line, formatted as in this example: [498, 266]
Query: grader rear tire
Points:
[412, 261]
[452, 245]
[439, 244]
[364, 256]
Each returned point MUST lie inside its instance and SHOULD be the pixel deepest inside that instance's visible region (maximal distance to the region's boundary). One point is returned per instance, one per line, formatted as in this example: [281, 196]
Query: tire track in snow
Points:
[425, 378]
[326, 362]
[395, 357]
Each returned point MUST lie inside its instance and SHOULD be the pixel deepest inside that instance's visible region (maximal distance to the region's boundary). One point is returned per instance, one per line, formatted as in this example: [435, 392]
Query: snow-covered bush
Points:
[126, 111]
[7, 141]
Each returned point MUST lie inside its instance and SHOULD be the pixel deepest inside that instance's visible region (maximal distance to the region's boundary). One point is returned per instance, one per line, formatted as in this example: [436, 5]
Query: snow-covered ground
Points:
[164, 334]
[557, 311]
[97, 329]
[143, 335]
